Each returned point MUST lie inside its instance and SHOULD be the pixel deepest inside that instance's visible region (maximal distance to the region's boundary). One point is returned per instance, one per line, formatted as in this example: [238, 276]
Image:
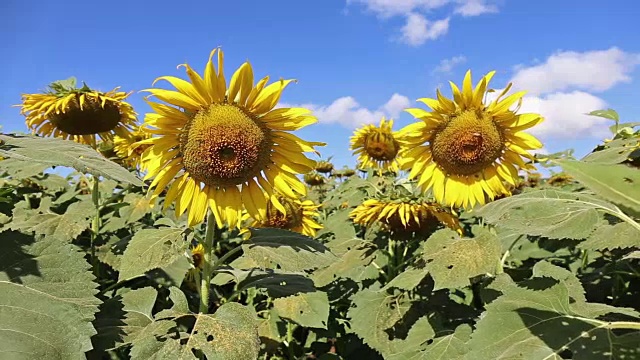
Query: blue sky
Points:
[355, 60]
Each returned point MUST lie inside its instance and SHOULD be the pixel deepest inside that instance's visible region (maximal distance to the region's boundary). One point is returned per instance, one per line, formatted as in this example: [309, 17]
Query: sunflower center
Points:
[224, 146]
[468, 143]
[381, 146]
[291, 220]
[93, 118]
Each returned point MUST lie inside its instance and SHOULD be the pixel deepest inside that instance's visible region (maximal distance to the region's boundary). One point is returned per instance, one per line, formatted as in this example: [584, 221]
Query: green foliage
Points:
[551, 272]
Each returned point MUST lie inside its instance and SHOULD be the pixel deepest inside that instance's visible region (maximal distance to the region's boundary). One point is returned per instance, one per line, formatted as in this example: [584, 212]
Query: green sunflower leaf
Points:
[607, 114]
[618, 236]
[452, 261]
[275, 282]
[445, 346]
[619, 184]
[547, 318]
[156, 253]
[47, 299]
[355, 258]
[231, 333]
[553, 214]
[616, 151]
[29, 150]
[287, 250]
[307, 309]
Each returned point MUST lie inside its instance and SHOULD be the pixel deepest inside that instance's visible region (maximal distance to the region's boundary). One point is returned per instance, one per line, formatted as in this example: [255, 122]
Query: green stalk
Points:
[95, 224]
[205, 282]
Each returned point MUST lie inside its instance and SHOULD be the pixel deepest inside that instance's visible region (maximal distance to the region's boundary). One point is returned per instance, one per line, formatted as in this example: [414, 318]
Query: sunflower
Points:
[313, 178]
[377, 146]
[466, 149]
[197, 256]
[222, 148]
[299, 217]
[324, 166]
[129, 149]
[404, 216]
[78, 114]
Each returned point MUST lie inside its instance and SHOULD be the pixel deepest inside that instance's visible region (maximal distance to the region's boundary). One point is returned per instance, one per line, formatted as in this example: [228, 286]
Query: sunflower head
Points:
[197, 257]
[377, 147]
[404, 216]
[533, 179]
[324, 166]
[299, 216]
[560, 179]
[348, 172]
[79, 114]
[313, 178]
[467, 148]
[129, 149]
[225, 148]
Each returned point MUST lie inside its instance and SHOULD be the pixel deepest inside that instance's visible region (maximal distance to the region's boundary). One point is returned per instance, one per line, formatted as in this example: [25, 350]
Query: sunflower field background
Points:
[206, 229]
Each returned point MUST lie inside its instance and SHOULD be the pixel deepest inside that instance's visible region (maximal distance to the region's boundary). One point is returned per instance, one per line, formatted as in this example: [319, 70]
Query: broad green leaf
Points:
[151, 249]
[290, 251]
[307, 309]
[230, 334]
[31, 149]
[543, 323]
[47, 299]
[616, 151]
[452, 261]
[137, 207]
[353, 263]
[408, 279]
[607, 114]
[43, 221]
[549, 213]
[618, 236]
[451, 346]
[271, 331]
[619, 184]
[632, 255]
[276, 283]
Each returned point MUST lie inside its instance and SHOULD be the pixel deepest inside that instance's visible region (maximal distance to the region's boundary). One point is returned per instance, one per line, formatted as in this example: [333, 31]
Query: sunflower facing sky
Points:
[225, 148]
[465, 149]
[406, 216]
[377, 147]
[129, 149]
[299, 217]
[78, 114]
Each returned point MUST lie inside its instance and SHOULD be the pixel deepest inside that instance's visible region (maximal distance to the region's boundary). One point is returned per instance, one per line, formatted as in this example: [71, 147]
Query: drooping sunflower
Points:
[313, 178]
[377, 146]
[222, 148]
[79, 114]
[465, 149]
[129, 149]
[404, 216]
[299, 217]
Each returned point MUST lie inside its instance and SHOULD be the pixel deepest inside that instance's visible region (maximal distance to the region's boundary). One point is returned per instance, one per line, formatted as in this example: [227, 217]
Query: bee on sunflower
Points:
[78, 114]
[377, 147]
[225, 148]
[300, 217]
[466, 149]
[129, 149]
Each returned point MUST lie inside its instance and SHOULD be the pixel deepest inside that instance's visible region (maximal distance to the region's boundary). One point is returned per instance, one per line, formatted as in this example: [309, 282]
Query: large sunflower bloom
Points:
[405, 216]
[377, 147]
[299, 217]
[78, 114]
[222, 148]
[465, 149]
[129, 149]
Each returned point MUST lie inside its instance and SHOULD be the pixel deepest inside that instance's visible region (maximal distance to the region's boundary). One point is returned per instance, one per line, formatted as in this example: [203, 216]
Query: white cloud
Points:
[347, 112]
[469, 8]
[446, 65]
[389, 8]
[592, 70]
[418, 29]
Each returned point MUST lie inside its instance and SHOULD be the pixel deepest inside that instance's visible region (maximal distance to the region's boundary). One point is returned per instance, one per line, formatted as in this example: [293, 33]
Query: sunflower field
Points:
[209, 230]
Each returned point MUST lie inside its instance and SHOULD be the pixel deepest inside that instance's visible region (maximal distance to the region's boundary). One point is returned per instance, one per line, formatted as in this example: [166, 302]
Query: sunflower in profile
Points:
[79, 114]
[377, 147]
[313, 178]
[299, 217]
[465, 149]
[404, 216]
[129, 149]
[197, 256]
[224, 148]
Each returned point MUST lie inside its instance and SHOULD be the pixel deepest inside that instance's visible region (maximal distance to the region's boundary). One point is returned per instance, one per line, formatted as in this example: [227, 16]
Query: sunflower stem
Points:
[205, 281]
[95, 223]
